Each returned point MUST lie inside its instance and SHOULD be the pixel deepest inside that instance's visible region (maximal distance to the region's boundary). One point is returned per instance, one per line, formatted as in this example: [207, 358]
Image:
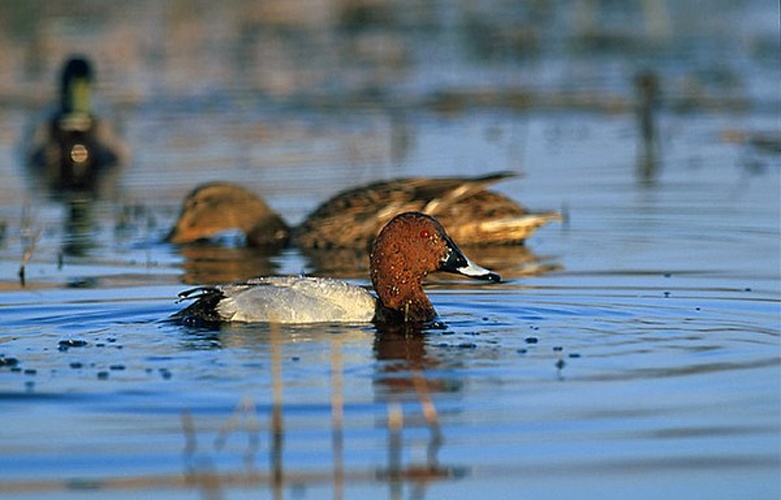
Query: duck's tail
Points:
[501, 231]
[204, 309]
[446, 192]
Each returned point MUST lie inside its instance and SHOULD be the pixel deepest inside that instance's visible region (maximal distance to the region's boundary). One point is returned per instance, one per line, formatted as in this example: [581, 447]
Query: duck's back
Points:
[291, 299]
[352, 218]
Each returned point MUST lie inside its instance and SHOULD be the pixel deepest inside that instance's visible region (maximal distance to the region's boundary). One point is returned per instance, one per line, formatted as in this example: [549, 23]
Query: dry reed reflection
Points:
[201, 471]
[30, 237]
[647, 93]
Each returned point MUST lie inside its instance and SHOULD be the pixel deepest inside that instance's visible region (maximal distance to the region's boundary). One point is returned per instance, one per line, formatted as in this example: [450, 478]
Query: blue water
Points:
[631, 352]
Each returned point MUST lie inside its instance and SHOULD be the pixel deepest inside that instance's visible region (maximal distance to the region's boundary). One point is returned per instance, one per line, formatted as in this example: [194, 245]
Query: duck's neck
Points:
[401, 296]
[269, 230]
[76, 96]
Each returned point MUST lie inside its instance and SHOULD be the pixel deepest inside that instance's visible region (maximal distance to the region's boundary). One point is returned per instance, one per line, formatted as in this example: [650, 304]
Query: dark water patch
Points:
[64, 345]
[8, 361]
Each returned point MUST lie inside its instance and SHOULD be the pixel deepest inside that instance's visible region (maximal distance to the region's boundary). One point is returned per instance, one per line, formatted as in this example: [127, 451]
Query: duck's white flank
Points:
[296, 299]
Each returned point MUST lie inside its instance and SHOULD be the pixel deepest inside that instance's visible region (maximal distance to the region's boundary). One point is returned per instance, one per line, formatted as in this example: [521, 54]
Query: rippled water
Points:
[632, 351]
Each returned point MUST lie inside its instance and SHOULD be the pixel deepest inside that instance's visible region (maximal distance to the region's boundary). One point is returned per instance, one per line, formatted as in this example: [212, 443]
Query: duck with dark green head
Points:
[74, 148]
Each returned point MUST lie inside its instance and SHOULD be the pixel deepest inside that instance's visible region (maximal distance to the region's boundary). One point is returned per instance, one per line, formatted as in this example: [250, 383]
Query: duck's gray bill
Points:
[478, 272]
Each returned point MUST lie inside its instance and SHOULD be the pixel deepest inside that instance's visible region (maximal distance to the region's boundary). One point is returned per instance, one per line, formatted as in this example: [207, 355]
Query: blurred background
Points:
[299, 99]
[333, 92]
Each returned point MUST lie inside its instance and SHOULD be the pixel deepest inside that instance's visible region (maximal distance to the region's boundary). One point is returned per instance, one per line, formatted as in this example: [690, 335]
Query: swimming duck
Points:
[216, 207]
[352, 218]
[74, 146]
[408, 248]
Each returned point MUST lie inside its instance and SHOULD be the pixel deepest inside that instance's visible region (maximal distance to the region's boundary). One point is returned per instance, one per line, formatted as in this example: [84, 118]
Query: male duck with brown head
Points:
[411, 246]
[73, 148]
[352, 218]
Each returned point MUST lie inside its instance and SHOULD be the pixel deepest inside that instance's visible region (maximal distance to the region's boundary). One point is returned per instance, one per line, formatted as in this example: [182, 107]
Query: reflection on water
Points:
[647, 108]
[79, 225]
[212, 264]
[402, 366]
[510, 261]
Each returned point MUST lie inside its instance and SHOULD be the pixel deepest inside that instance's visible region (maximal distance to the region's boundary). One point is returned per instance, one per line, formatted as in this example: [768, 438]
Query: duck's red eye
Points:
[424, 234]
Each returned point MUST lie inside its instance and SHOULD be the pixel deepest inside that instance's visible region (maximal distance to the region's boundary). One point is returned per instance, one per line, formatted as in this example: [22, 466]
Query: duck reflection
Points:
[402, 359]
[79, 224]
[207, 263]
[511, 261]
[400, 350]
[402, 363]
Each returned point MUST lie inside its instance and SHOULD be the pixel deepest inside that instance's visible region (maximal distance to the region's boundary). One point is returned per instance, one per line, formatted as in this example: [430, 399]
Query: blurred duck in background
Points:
[352, 219]
[73, 149]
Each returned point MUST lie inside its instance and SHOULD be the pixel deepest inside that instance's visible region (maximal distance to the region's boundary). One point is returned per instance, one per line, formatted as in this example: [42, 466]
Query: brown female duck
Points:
[351, 219]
